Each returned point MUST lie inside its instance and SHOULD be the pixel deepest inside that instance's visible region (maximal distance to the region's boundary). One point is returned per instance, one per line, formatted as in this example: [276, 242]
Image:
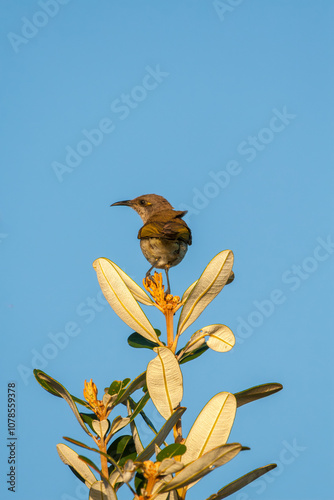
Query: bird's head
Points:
[146, 205]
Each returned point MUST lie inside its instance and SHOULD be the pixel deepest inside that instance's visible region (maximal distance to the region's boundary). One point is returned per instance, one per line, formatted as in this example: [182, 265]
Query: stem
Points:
[169, 324]
[104, 460]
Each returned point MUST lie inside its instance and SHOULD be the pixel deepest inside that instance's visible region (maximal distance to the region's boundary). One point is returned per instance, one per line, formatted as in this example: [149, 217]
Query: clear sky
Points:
[224, 108]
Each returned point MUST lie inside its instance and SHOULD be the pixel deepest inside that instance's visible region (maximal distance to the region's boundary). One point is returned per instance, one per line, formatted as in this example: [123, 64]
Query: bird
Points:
[165, 236]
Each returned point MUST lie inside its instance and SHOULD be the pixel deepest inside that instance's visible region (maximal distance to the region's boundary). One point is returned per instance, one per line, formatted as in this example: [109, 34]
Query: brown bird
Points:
[164, 237]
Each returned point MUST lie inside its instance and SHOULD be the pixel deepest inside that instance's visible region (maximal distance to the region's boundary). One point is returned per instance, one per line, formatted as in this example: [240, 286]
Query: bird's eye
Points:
[142, 202]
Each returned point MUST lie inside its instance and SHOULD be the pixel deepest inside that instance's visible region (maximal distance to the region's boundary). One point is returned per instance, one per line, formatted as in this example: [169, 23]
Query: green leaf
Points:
[114, 387]
[139, 342]
[139, 406]
[257, 392]
[140, 482]
[236, 485]
[88, 418]
[79, 443]
[210, 283]
[122, 449]
[136, 384]
[48, 387]
[189, 356]
[170, 451]
[56, 387]
[162, 434]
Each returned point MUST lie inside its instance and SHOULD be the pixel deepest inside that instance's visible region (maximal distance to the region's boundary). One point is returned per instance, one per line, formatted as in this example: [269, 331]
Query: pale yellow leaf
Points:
[102, 490]
[100, 427]
[204, 465]
[71, 458]
[212, 426]
[164, 381]
[119, 423]
[210, 283]
[138, 293]
[170, 466]
[187, 292]
[220, 339]
[121, 299]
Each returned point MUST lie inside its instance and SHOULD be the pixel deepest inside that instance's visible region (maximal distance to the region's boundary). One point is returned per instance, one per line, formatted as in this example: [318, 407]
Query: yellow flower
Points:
[90, 393]
[157, 290]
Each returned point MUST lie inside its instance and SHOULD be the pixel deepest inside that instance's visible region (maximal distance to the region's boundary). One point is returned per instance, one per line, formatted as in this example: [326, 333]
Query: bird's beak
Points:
[126, 203]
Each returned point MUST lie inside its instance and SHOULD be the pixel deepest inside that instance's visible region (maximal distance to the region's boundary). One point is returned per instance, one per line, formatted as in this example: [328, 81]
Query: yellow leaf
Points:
[70, 457]
[212, 426]
[164, 381]
[121, 299]
[210, 283]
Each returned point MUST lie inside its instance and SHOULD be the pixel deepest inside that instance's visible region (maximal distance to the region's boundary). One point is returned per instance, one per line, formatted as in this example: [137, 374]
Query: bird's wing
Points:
[174, 230]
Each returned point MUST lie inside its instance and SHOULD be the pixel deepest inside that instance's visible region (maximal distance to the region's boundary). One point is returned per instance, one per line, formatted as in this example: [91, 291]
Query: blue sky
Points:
[226, 110]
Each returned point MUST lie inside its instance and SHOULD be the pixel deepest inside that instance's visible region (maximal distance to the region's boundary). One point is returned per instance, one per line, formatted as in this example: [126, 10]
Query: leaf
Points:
[79, 443]
[49, 389]
[118, 424]
[170, 451]
[136, 384]
[139, 342]
[122, 449]
[90, 463]
[188, 356]
[257, 392]
[102, 490]
[210, 283]
[220, 339]
[71, 458]
[187, 292]
[121, 299]
[161, 436]
[139, 294]
[100, 427]
[139, 406]
[236, 485]
[202, 466]
[62, 392]
[164, 381]
[88, 418]
[169, 466]
[212, 426]
[134, 431]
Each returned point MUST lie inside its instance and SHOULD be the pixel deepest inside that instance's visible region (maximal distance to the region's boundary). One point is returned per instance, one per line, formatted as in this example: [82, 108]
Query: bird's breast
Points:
[162, 252]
